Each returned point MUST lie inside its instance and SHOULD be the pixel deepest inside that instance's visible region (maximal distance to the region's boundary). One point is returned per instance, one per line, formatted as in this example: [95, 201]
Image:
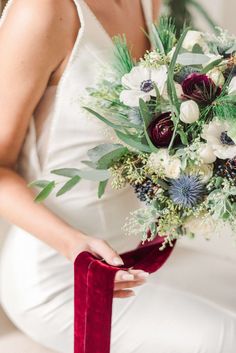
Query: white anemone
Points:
[215, 133]
[139, 83]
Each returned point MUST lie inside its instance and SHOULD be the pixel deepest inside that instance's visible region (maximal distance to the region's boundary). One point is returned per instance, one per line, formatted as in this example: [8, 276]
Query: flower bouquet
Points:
[174, 117]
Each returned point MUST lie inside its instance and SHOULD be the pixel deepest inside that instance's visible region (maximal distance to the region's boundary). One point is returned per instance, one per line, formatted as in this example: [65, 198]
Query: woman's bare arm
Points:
[35, 40]
[156, 9]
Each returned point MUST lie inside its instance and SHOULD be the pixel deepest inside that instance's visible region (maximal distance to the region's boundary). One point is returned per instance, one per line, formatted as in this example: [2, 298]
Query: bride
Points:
[50, 52]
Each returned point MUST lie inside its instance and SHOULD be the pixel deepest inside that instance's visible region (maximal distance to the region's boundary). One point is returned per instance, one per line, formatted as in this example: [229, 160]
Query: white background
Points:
[222, 11]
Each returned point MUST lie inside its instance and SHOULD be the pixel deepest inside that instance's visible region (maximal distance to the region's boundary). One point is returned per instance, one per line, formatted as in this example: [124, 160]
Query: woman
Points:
[50, 53]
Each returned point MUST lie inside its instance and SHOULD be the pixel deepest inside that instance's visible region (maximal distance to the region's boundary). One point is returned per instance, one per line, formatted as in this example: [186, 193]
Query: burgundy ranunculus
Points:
[161, 130]
[200, 88]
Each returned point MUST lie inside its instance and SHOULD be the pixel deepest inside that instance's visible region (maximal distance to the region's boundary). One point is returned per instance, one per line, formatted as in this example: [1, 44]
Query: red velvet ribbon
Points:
[93, 293]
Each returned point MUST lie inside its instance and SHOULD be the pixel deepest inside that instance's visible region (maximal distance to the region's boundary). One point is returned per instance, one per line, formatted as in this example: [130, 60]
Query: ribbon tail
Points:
[93, 293]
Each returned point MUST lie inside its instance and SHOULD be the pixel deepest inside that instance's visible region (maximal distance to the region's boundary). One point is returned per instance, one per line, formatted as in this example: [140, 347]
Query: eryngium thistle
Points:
[186, 191]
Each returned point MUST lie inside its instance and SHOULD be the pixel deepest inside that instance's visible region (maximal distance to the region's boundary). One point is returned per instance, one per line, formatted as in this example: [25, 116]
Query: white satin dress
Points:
[189, 306]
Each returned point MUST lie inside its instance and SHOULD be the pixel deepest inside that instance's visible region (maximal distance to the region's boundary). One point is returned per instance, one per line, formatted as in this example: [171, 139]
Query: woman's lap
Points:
[162, 317]
[157, 319]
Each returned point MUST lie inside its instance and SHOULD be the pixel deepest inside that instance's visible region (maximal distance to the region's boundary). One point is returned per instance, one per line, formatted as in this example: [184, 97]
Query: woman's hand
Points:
[124, 280]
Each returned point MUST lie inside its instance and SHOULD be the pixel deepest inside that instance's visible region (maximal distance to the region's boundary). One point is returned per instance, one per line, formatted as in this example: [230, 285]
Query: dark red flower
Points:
[161, 130]
[200, 88]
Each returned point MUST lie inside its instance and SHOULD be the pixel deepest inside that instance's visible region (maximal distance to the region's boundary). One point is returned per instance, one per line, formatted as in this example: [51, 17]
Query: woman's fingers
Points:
[103, 249]
[139, 273]
[123, 293]
[132, 284]
[124, 276]
[130, 275]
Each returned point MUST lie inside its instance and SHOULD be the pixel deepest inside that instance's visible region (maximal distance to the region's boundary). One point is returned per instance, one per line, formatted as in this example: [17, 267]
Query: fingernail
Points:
[127, 277]
[143, 275]
[131, 294]
[118, 261]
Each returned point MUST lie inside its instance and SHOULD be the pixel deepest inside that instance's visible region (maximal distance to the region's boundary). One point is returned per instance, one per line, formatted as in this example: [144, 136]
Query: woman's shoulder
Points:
[47, 18]
[51, 25]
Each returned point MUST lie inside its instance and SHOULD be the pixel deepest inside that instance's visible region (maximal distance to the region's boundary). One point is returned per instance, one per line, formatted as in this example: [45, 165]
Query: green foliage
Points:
[101, 188]
[93, 174]
[123, 61]
[69, 185]
[147, 118]
[47, 188]
[163, 35]
[96, 153]
[110, 158]
[133, 141]
[174, 101]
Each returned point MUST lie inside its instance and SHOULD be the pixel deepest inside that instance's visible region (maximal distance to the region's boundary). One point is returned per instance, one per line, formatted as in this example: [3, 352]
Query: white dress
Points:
[189, 306]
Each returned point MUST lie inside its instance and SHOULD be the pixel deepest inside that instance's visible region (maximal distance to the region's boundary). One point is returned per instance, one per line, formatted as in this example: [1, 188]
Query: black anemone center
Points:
[146, 86]
[225, 139]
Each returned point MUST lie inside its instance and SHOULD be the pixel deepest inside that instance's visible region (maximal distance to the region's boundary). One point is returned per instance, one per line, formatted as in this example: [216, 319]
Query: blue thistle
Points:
[186, 191]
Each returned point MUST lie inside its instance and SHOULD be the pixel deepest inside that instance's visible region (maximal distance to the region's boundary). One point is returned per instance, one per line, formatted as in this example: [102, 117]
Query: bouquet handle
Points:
[93, 293]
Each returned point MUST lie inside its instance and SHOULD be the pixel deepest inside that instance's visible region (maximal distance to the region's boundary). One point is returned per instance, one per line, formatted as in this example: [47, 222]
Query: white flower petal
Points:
[159, 77]
[136, 76]
[131, 97]
[232, 86]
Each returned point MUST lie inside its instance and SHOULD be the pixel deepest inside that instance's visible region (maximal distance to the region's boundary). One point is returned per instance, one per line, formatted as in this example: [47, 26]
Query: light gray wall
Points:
[222, 11]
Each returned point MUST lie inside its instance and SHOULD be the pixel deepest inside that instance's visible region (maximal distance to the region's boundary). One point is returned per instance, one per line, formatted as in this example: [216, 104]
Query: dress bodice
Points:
[66, 133]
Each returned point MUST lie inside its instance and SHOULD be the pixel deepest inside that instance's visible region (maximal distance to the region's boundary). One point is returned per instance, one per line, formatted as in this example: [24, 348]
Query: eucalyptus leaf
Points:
[110, 158]
[133, 142]
[66, 172]
[183, 137]
[39, 184]
[104, 120]
[99, 151]
[211, 66]
[90, 164]
[197, 49]
[45, 192]
[89, 174]
[95, 174]
[101, 188]
[186, 59]
[70, 184]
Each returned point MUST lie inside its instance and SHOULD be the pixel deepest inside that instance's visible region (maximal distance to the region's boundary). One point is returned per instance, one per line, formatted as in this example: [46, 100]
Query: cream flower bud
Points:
[217, 77]
[189, 112]
[192, 38]
[232, 86]
[206, 154]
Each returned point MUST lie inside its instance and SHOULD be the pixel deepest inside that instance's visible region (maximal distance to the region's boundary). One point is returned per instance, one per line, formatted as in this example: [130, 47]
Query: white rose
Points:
[216, 76]
[158, 159]
[200, 226]
[172, 168]
[206, 154]
[192, 38]
[206, 172]
[189, 112]
[169, 165]
[232, 86]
